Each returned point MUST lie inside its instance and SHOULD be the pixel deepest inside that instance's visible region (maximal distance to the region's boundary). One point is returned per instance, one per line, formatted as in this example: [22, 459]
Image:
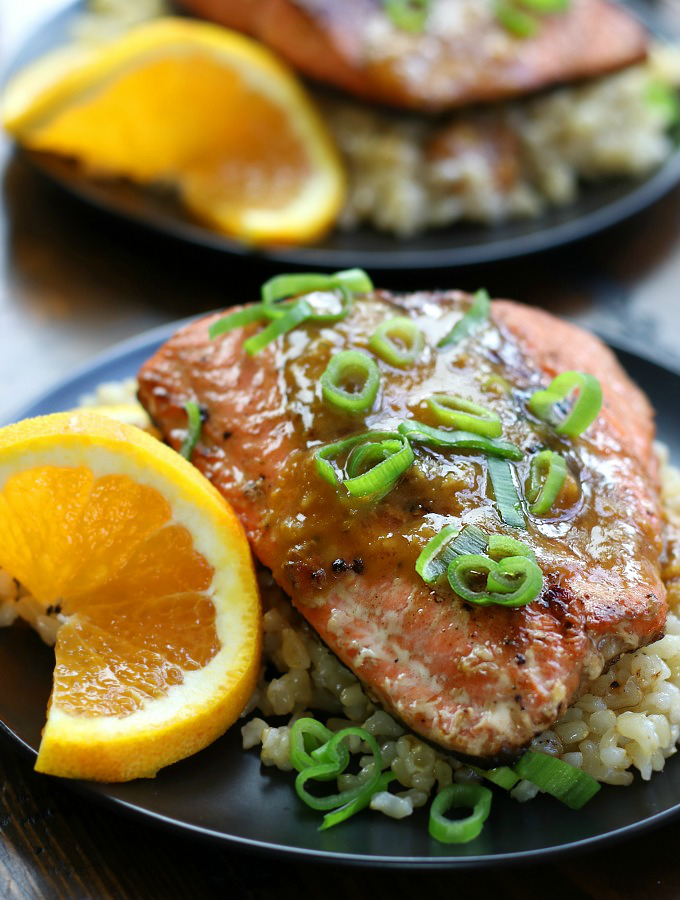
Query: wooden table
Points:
[72, 283]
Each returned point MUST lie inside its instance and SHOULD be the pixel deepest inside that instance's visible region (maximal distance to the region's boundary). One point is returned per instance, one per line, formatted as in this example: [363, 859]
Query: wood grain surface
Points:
[73, 282]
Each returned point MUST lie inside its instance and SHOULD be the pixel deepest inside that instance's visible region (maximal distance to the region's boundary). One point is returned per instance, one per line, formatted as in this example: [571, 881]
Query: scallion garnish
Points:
[476, 315]
[439, 552]
[320, 755]
[464, 440]
[547, 475]
[295, 310]
[520, 17]
[503, 776]
[500, 546]
[572, 786]
[350, 382]
[505, 492]
[284, 286]
[239, 319]
[375, 461]
[409, 15]
[513, 582]
[194, 425]
[295, 315]
[360, 802]
[457, 796]
[450, 409]
[398, 342]
[585, 407]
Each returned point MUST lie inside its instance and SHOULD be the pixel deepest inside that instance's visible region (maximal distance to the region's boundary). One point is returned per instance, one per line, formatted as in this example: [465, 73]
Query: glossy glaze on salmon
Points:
[464, 56]
[477, 680]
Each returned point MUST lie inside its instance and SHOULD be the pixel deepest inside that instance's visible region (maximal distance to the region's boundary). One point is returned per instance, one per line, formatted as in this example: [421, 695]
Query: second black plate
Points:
[598, 207]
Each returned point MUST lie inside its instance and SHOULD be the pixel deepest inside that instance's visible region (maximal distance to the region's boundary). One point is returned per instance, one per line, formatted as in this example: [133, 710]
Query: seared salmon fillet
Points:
[478, 680]
[463, 56]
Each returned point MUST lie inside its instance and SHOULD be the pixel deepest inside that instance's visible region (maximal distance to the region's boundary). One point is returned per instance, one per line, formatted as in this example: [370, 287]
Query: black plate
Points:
[224, 794]
[598, 207]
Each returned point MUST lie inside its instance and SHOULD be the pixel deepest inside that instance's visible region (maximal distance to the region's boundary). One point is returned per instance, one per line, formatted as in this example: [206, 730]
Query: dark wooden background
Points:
[72, 283]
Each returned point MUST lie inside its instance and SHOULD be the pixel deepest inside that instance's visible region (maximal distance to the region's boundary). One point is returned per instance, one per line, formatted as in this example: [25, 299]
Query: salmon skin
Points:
[463, 56]
[480, 681]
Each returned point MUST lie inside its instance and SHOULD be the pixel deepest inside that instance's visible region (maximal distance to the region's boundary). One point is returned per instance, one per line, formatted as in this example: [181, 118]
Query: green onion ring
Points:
[477, 315]
[547, 475]
[505, 492]
[343, 366]
[378, 480]
[305, 733]
[572, 786]
[464, 440]
[436, 556]
[500, 546]
[409, 15]
[253, 313]
[384, 342]
[194, 426]
[514, 20]
[450, 409]
[296, 314]
[503, 776]
[356, 805]
[459, 831]
[512, 582]
[584, 409]
[324, 771]
[292, 285]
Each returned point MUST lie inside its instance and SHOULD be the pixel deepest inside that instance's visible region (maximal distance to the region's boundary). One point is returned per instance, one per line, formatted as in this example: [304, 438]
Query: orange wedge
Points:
[194, 106]
[151, 577]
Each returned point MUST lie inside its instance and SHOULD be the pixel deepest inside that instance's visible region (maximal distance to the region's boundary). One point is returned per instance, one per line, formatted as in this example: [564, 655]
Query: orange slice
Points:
[150, 574]
[195, 106]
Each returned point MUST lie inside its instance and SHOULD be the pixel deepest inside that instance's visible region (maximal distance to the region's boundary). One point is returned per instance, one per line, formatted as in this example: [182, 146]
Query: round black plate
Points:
[224, 794]
[598, 207]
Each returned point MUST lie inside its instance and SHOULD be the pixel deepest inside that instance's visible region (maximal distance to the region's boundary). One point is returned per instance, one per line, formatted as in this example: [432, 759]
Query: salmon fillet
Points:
[477, 680]
[464, 56]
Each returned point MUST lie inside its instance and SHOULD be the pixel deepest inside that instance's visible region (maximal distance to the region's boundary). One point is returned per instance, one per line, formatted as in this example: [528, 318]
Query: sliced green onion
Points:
[333, 751]
[584, 409]
[505, 492]
[456, 796]
[544, 6]
[398, 342]
[512, 582]
[450, 409]
[409, 15]
[515, 21]
[292, 285]
[436, 555]
[253, 313]
[663, 98]
[356, 805]
[295, 315]
[547, 475]
[500, 546]
[439, 552]
[387, 462]
[502, 776]
[350, 366]
[572, 786]
[477, 314]
[307, 735]
[194, 425]
[464, 440]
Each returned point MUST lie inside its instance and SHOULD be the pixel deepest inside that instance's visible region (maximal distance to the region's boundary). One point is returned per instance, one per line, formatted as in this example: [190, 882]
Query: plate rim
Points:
[148, 340]
[639, 197]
